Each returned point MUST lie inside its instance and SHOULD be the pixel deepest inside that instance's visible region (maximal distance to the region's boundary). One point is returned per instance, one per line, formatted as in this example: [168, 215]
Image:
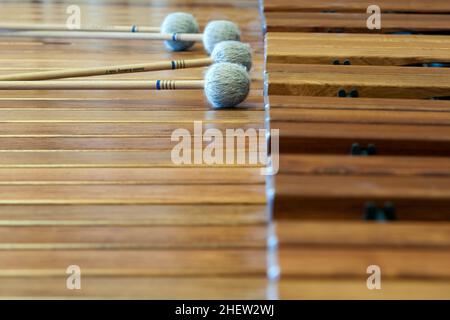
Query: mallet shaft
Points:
[104, 85]
[103, 35]
[61, 27]
[97, 71]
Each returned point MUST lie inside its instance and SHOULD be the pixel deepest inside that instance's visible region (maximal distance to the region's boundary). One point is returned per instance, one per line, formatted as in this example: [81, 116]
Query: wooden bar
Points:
[304, 164]
[133, 237]
[367, 81]
[131, 194]
[391, 289]
[88, 176]
[363, 125]
[148, 176]
[135, 263]
[353, 263]
[347, 197]
[107, 287]
[338, 138]
[439, 6]
[358, 234]
[132, 215]
[355, 22]
[356, 49]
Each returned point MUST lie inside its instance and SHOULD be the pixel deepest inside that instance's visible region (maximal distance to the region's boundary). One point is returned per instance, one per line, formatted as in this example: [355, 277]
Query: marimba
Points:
[86, 177]
[362, 140]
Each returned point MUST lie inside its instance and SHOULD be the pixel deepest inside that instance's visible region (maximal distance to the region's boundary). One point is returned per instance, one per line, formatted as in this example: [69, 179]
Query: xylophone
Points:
[87, 179]
[363, 139]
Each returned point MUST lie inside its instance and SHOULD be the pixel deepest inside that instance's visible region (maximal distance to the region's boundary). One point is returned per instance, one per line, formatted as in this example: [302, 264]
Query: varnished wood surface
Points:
[129, 176]
[132, 214]
[353, 263]
[131, 194]
[136, 263]
[439, 6]
[338, 187]
[345, 197]
[89, 175]
[400, 107]
[369, 81]
[392, 289]
[338, 138]
[358, 49]
[331, 125]
[317, 256]
[136, 237]
[321, 191]
[359, 234]
[354, 22]
[411, 255]
[304, 164]
[108, 287]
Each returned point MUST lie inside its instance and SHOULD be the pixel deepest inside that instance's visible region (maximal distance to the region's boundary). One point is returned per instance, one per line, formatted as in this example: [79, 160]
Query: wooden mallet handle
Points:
[98, 71]
[61, 27]
[104, 85]
[104, 35]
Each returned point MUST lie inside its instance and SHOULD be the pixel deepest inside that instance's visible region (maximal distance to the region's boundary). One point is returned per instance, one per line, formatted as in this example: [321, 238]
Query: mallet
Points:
[179, 32]
[225, 85]
[11, 26]
[226, 51]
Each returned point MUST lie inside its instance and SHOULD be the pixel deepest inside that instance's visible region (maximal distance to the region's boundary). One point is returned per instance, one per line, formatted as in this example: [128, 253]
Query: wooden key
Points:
[356, 49]
[358, 81]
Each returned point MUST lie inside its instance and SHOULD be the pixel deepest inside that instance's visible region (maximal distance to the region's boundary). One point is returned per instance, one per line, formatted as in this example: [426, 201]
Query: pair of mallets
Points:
[226, 83]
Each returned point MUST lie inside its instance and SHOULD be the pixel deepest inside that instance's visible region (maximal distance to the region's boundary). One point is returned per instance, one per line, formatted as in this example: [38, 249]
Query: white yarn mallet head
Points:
[233, 52]
[226, 85]
[218, 31]
[179, 22]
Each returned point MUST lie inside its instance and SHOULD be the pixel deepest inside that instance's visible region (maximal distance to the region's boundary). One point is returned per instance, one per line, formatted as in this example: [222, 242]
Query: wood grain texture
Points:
[354, 22]
[337, 138]
[132, 215]
[358, 49]
[357, 289]
[99, 158]
[345, 197]
[331, 103]
[132, 194]
[353, 263]
[439, 6]
[395, 126]
[105, 287]
[369, 81]
[136, 237]
[138, 225]
[303, 164]
[157, 263]
[355, 234]
[321, 192]
[149, 176]
[112, 142]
